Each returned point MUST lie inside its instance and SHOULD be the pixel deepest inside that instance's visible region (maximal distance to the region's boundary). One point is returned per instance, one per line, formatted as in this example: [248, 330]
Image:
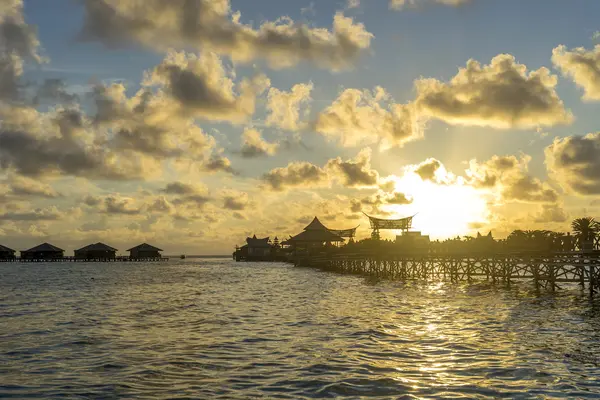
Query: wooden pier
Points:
[74, 259]
[546, 271]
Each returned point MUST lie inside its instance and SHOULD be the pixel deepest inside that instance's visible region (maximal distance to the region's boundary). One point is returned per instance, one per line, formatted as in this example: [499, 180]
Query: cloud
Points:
[574, 161]
[92, 201]
[295, 174]
[284, 107]
[357, 117]
[18, 42]
[186, 193]
[210, 25]
[23, 186]
[199, 85]
[400, 4]
[120, 205]
[67, 149]
[500, 95]
[356, 172]
[147, 123]
[55, 90]
[235, 201]
[16, 36]
[39, 214]
[180, 188]
[510, 176]
[582, 66]
[428, 168]
[550, 213]
[398, 199]
[218, 162]
[253, 145]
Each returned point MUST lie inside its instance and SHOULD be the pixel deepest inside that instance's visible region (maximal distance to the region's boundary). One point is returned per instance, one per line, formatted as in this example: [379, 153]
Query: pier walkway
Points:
[74, 259]
[545, 271]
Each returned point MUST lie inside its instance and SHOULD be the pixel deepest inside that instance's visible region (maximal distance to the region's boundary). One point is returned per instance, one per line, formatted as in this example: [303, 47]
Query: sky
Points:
[192, 124]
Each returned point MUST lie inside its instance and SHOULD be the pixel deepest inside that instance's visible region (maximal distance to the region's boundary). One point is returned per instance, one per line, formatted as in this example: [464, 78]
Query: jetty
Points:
[545, 259]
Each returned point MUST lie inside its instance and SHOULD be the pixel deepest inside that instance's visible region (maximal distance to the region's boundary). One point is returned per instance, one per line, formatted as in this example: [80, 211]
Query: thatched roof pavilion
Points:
[314, 233]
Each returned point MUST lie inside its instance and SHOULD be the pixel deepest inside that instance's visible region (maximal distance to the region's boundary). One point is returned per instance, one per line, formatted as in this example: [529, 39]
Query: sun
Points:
[443, 210]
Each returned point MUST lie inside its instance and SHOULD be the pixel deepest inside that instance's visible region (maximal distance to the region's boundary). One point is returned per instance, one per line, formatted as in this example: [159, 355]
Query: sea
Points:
[216, 329]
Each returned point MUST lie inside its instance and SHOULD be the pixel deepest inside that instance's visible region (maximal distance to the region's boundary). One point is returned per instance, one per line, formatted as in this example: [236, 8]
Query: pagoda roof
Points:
[4, 249]
[316, 225]
[254, 242]
[145, 246]
[43, 247]
[97, 247]
[315, 236]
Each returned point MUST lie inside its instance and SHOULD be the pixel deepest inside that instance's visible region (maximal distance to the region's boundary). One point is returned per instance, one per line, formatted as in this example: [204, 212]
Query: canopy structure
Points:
[345, 233]
[403, 224]
[315, 232]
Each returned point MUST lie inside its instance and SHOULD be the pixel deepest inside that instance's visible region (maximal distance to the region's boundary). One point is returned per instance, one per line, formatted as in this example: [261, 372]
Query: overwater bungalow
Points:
[44, 251]
[6, 253]
[96, 251]
[144, 250]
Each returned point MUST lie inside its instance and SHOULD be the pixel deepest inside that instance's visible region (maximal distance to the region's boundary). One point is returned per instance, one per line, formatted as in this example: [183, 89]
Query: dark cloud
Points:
[354, 173]
[54, 90]
[122, 206]
[253, 145]
[49, 214]
[180, 188]
[427, 169]
[575, 162]
[239, 202]
[295, 174]
[92, 201]
[218, 163]
[238, 215]
[68, 153]
[210, 25]
[551, 213]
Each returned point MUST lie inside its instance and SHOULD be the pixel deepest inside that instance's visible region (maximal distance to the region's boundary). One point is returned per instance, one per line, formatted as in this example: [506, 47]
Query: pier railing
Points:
[545, 271]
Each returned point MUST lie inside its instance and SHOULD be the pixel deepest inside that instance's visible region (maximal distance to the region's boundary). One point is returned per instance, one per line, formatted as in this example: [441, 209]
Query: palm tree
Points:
[585, 230]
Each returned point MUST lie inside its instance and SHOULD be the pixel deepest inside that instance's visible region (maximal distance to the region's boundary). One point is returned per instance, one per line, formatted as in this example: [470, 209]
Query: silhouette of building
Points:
[144, 250]
[314, 234]
[6, 253]
[413, 242]
[96, 251]
[44, 251]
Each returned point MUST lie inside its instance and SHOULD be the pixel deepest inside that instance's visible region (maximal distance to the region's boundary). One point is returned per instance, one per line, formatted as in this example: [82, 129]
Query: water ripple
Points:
[214, 329]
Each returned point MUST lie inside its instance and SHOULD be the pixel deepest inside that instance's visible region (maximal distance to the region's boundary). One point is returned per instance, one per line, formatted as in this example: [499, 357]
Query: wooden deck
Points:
[73, 259]
[544, 271]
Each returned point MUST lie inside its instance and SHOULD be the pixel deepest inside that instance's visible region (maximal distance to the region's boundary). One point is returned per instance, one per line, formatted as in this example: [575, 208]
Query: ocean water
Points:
[214, 329]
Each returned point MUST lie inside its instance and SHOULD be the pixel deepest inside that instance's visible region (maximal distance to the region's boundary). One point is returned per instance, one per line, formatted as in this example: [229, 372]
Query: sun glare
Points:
[442, 210]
